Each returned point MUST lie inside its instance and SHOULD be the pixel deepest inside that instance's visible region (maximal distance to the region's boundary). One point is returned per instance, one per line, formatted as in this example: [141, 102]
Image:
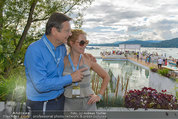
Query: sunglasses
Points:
[82, 42]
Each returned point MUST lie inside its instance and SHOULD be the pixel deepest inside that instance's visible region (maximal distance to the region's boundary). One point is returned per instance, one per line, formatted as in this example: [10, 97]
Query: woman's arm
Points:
[65, 61]
[104, 75]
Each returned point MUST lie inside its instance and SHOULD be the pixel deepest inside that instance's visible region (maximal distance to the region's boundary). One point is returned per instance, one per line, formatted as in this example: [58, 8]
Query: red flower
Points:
[150, 98]
[163, 91]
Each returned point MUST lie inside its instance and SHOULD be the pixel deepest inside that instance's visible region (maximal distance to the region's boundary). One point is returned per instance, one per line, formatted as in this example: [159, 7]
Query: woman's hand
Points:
[93, 99]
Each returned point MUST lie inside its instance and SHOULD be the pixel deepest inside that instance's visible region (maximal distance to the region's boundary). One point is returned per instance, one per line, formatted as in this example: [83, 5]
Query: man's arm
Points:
[38, 75]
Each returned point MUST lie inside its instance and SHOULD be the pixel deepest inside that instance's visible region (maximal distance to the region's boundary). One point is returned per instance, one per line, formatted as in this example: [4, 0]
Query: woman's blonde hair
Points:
[74, 36]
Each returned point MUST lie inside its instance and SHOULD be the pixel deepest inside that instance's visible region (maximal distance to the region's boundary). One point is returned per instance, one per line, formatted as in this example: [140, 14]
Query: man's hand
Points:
[93, 59]
[78, 75]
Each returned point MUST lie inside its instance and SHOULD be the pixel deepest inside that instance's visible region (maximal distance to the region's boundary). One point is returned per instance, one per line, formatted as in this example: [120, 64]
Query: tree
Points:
[20, 23]
[2, 2]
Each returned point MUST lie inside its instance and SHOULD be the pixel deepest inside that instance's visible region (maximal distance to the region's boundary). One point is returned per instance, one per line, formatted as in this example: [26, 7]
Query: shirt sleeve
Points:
[37, 73]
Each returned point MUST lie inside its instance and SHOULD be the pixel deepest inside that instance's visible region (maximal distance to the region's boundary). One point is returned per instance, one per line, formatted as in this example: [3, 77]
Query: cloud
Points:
[107, 21]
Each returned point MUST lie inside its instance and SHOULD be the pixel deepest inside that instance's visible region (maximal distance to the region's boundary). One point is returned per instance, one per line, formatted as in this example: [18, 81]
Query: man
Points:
[44, 67]
[159, 62]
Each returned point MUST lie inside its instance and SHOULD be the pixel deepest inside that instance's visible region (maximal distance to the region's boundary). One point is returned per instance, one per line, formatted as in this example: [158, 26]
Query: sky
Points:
[108, 21]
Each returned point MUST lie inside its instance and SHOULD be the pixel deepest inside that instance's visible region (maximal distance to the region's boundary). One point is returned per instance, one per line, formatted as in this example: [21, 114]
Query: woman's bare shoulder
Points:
[87, 60]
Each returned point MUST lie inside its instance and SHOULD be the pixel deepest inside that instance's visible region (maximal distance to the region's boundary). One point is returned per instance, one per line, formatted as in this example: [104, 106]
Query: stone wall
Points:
[162, 83]
[8, 108]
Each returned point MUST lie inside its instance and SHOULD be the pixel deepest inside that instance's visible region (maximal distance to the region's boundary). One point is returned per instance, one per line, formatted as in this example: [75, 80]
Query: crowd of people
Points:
[113, 52]
[148, 58]
[160, 60]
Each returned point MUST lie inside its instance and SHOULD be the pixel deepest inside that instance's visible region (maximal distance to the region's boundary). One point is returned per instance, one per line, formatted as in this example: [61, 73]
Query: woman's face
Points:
[80, 44]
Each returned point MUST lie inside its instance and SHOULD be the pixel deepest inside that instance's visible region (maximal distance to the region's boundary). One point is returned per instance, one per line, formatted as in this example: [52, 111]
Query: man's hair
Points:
[75, 35]
[56, 20]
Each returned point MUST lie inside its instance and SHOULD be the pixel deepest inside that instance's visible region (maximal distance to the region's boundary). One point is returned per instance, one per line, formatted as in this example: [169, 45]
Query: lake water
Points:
[131, 76]
[138, 77]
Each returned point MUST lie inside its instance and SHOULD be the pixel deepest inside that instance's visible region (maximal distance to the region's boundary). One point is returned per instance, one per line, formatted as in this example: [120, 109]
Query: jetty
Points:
[133, 53]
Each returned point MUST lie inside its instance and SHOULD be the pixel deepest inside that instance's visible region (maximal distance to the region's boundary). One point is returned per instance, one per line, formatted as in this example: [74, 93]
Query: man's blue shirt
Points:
[44, 77]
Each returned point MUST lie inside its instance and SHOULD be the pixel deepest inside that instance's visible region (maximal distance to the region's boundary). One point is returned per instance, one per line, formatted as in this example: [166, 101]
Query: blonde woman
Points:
[79, 95]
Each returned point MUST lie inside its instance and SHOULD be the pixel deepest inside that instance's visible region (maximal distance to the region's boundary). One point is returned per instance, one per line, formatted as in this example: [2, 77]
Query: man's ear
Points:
[53, 30]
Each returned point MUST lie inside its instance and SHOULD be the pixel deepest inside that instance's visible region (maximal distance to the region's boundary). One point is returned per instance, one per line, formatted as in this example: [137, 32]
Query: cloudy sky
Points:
[107, 21]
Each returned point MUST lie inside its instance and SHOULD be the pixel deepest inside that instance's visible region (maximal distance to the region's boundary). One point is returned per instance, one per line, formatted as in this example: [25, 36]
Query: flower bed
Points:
[150, 98]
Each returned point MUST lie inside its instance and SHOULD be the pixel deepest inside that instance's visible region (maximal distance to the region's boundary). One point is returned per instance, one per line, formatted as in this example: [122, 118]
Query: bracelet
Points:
[101, 97]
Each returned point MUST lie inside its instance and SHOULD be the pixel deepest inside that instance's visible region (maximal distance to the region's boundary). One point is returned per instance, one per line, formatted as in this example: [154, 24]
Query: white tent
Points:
[130, 46]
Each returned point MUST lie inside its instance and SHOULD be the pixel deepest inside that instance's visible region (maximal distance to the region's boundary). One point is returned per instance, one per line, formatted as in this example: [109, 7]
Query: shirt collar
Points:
[51, 45]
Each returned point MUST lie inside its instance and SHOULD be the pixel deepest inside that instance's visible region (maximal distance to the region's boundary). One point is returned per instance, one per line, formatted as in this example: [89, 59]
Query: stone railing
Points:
[12, 110]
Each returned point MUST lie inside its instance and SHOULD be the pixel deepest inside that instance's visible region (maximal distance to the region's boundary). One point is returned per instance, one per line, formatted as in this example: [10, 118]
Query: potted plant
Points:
[153, 69]
[150, 98]
[164, 72]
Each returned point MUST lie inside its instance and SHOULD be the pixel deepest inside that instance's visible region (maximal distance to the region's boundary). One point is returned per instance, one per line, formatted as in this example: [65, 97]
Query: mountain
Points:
[142, 43]
[172, 43]
[117, 42]
[154, 41]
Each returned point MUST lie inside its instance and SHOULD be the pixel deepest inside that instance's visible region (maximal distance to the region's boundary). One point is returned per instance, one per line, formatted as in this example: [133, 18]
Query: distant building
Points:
[130, 47]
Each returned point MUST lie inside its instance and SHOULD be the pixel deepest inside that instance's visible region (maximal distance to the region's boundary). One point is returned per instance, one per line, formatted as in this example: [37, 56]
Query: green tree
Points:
[21, 22]
[2, 2]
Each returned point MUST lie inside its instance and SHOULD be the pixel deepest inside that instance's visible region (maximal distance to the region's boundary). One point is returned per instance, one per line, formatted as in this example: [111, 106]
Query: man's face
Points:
[65, 32]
